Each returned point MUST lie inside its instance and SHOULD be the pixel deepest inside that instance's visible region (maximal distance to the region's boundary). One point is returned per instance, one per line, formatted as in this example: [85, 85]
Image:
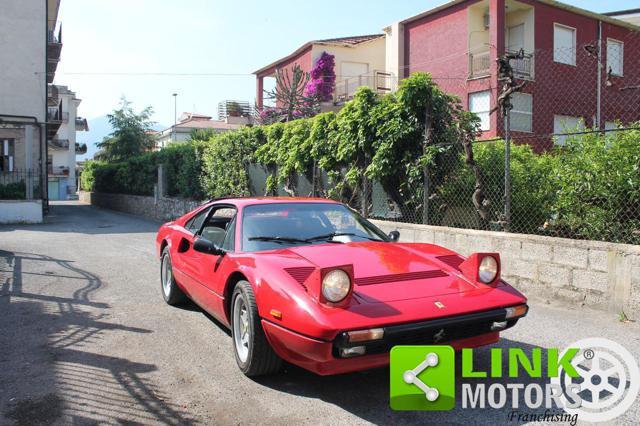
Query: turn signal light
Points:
[516, 311]
[365, 335]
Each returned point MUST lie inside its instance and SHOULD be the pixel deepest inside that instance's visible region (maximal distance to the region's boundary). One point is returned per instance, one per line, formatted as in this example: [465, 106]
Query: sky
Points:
[131, 39]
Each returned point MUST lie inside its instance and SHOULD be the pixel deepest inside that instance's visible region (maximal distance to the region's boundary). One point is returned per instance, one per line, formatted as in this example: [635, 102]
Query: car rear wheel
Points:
[254, 355]
[170, 290]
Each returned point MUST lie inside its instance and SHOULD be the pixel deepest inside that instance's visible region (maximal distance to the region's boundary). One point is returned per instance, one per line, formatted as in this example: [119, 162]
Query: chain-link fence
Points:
[570, 166]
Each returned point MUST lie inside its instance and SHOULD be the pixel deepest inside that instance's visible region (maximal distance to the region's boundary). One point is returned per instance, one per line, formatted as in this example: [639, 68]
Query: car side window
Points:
[194, 224]
[229, 243]
[216, 224]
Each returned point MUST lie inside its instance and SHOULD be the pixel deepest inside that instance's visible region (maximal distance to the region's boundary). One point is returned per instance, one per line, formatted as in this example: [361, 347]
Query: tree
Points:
[131, 133]
[290, 98]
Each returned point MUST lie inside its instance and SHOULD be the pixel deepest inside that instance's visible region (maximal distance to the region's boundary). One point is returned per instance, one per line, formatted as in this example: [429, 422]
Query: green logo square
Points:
[422, 378]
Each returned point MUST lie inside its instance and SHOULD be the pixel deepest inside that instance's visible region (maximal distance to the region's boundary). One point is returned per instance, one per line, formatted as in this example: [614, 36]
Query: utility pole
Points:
[504, 105]
[175, 115]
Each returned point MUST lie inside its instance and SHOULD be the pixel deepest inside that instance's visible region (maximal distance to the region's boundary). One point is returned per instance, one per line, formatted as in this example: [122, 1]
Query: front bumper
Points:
[323, 357]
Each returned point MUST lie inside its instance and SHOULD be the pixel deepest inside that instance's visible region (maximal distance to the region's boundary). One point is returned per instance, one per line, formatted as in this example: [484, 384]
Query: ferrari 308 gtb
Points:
[311, 282]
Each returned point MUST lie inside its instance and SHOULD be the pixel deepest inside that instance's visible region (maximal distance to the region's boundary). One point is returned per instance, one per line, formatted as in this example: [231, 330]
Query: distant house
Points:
[359, 61]
[631, 16]
[189, 122]
[63, 148]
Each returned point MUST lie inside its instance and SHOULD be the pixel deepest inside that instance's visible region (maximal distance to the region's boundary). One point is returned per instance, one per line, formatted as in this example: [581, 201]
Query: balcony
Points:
[81, 148]
[58, 144]
[53, 99]
[379, 81]
[82, 125]
[55, 118]
[57, 171]
[54, 48]
[480, 65]
[523, 67]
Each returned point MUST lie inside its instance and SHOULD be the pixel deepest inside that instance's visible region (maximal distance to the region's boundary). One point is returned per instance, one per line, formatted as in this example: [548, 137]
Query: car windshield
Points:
[277, 225]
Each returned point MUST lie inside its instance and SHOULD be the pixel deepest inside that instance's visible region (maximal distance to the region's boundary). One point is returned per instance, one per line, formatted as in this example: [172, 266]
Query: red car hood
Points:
[386, 272]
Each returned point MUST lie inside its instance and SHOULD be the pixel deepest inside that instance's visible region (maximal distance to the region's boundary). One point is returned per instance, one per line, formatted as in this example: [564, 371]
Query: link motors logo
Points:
[592, 380]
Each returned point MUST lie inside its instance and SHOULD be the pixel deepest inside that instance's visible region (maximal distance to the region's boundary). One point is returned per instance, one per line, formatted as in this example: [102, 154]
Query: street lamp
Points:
[175, 115]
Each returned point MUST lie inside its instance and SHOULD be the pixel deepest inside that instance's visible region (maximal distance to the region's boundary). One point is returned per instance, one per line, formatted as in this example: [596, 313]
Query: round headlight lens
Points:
[488, 269]
[336, 285]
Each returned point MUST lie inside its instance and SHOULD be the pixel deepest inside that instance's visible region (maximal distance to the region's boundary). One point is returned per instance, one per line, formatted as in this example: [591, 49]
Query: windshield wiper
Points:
[277, 239]
[338, 234]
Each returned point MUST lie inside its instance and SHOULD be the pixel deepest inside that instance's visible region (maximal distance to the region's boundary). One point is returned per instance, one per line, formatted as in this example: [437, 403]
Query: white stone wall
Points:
[601, 275]
[161, 209]
[29, 211]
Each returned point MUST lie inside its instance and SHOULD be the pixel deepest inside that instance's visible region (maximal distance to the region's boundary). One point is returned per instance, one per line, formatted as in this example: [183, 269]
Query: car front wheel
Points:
[170, 290]
[254, 355]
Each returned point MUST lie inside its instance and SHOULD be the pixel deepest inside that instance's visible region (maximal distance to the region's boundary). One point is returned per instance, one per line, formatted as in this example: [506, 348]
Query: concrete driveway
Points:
[85, 337]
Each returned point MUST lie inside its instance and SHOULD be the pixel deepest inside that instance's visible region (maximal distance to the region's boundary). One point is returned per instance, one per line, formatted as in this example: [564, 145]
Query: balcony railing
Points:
[523, 67]
[59, 143]
[234, 109]
[379, 81]
[479, 64]
[54, 33]
[81, 124]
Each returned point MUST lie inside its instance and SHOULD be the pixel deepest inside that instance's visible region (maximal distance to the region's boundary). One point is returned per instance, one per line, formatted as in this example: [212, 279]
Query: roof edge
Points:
[599, 16]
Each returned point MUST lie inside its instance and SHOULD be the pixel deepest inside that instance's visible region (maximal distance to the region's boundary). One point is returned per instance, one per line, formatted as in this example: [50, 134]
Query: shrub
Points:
[530, 199]
[13, 191]
[597, 179]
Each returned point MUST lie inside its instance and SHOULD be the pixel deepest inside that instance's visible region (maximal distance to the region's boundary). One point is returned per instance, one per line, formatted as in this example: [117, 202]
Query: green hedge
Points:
[588, 189]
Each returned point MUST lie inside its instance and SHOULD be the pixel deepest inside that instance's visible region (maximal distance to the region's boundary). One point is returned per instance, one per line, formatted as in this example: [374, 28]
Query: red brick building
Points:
[568, 86]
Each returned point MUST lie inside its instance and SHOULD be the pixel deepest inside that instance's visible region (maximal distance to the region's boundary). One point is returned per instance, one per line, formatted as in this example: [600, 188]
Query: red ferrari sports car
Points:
[312, 282]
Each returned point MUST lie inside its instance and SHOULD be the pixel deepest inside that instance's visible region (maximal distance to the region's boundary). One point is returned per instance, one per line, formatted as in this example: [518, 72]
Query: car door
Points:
[182, 243]
[202, 268]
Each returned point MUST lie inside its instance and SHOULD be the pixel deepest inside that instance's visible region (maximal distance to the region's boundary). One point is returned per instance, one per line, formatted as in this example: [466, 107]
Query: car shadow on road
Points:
[366, 394]
[51, 366]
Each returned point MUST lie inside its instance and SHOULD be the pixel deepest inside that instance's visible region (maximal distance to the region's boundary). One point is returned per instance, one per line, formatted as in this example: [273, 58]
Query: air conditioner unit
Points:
[486, 21]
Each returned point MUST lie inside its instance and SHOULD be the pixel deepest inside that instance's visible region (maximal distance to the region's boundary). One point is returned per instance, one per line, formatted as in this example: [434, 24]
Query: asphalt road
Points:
[85, 337]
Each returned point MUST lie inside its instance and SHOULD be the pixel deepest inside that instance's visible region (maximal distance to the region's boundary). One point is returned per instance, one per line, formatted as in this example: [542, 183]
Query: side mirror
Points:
[207, 247]
[394, 236]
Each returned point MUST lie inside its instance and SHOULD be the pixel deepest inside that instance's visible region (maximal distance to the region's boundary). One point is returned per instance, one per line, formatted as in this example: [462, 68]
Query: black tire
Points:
[261, 359]
[171, 293]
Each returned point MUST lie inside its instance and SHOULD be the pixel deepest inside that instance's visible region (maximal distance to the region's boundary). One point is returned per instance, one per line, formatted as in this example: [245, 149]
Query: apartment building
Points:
[577, 64]
[31, 42]
[63, 148]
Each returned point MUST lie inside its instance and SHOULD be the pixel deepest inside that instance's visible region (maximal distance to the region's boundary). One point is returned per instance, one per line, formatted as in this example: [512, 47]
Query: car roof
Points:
[247, 201]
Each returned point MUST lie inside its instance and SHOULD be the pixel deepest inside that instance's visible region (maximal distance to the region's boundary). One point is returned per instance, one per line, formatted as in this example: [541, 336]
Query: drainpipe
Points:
[599, 86]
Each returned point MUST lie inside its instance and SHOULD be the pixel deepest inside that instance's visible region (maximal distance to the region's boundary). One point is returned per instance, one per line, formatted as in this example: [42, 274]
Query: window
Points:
[566, 124]
[480, 104]
[8, 152]
[564, 44]
[215, 227]
[194, 224]
[521, 114]
[615, 56]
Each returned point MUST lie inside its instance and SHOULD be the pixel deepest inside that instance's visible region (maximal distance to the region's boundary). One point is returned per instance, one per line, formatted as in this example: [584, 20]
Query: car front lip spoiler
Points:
[432, 332]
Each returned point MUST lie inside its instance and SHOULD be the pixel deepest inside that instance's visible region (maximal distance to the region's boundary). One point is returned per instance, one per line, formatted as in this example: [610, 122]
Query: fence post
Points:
[162, 181]
[507, 170]
[425, 167]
